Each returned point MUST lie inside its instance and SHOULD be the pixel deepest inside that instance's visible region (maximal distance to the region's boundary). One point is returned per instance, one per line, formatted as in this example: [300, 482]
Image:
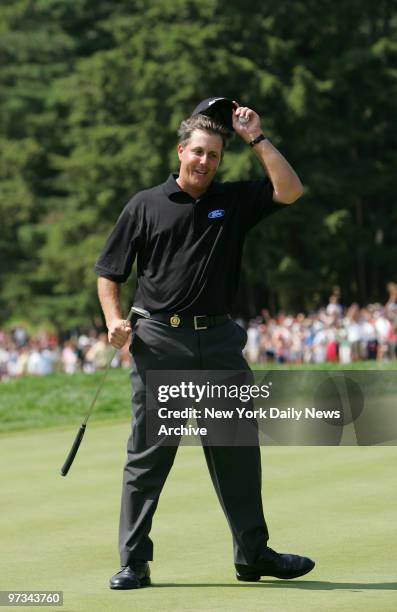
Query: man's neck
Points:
[196, 195]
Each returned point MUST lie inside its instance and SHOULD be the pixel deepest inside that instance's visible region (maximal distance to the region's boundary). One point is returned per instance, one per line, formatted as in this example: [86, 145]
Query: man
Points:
[188, 235]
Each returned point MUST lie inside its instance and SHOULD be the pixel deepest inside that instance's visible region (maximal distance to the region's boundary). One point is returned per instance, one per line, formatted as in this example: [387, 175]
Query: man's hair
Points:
[206, 124]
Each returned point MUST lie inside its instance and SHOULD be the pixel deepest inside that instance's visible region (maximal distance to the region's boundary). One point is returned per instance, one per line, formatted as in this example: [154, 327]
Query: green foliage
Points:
[92, 94]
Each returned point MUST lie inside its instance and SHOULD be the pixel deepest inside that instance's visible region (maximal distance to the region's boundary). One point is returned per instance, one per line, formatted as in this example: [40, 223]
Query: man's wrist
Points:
[113, 321]
[259, 138]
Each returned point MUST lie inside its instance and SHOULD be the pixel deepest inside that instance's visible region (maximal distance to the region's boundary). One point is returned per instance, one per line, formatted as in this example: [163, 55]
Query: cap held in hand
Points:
[220, 109]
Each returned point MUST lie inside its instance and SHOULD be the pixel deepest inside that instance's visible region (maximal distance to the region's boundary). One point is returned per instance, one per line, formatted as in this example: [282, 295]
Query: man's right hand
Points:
[118, 332]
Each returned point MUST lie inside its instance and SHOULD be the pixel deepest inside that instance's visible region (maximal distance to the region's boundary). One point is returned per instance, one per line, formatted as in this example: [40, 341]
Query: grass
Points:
[36, 402]
[58, 399]
[336, 504]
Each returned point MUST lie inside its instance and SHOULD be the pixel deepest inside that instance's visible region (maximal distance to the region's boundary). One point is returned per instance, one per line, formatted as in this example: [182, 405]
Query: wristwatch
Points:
[257, 139]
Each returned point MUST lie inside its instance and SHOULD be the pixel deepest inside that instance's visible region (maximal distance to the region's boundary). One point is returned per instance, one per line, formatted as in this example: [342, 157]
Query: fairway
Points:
[335, 504]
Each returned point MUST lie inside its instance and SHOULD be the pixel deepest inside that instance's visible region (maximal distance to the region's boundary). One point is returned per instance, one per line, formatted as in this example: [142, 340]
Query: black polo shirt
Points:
[188, 251]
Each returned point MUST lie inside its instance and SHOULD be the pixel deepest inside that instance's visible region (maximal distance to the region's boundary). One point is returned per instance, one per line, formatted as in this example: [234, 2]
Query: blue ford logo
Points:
[214, 214]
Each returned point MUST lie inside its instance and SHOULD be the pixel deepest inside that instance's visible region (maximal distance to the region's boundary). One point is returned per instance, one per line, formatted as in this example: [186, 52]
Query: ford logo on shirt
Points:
[214, 214]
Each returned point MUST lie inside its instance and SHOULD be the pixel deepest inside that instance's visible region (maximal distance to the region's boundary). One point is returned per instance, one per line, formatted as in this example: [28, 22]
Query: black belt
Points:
[191, 321]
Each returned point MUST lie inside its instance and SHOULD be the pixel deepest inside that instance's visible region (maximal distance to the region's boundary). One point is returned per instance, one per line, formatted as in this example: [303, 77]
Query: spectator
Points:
[69, 357]
[385, 335]
[353, 331]
[334, 310]
[391, 304]
[344, 348]
[99, 353]
[252, 348]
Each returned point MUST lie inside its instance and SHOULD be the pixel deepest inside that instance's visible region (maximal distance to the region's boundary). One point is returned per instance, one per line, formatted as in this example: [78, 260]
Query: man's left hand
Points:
[252, 128]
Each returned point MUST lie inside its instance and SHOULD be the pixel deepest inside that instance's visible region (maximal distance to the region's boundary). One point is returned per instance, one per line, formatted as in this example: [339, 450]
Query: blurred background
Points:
[92, 93]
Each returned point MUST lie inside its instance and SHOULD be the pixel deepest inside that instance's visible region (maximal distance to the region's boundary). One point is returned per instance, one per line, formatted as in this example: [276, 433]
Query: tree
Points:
[93, 93]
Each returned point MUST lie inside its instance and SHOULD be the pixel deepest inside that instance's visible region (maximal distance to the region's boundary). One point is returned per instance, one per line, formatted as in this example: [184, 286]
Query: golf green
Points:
[334, 504]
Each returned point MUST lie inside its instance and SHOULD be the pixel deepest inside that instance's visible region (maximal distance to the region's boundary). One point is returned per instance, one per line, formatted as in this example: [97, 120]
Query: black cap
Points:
[219, 109]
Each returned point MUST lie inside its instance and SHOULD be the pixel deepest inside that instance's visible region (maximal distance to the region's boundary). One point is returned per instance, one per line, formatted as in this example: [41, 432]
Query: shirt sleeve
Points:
[254, 200]
[118, 255]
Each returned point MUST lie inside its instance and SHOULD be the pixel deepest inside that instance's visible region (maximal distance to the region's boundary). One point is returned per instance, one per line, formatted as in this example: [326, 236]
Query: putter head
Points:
[141, 312]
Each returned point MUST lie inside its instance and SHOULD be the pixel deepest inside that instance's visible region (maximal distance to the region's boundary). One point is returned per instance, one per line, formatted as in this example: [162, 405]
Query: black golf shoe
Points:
[134, 576]
[278, 565]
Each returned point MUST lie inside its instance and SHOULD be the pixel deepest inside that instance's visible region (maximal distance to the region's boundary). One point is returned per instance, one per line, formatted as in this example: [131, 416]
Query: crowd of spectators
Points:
[328, 335]
[331, 334]
[46, 353]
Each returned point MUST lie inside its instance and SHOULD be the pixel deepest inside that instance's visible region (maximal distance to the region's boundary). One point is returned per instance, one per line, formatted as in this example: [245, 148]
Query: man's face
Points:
[200, 158]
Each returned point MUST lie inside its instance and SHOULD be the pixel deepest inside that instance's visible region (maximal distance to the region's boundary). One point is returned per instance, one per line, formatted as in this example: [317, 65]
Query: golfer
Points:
[187, 235]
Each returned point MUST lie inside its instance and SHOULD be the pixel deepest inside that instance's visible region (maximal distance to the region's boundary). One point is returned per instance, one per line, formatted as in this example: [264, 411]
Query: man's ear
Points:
[179, 149]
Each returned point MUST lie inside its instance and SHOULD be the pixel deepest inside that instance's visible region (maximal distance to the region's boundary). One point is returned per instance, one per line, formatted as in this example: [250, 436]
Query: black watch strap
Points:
[257, 139]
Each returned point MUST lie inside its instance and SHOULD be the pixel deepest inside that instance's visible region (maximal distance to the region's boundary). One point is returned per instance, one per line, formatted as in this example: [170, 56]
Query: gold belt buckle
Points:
[175, 321]
[196, 325]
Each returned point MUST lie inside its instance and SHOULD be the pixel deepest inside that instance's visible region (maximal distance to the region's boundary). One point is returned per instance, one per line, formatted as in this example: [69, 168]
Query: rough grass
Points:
[37, 402]
[59, 399]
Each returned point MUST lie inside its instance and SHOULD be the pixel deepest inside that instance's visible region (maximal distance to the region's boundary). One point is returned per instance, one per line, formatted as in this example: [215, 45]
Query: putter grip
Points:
[70, 458]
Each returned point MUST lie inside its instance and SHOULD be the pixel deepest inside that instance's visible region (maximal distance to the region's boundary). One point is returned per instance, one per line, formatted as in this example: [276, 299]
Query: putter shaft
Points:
[80, 434]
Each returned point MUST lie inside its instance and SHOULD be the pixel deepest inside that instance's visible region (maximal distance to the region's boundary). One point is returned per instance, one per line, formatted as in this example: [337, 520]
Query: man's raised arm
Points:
[286, 184]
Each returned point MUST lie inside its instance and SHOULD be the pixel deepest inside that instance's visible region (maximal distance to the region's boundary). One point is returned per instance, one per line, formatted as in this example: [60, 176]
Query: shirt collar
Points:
[174, 192]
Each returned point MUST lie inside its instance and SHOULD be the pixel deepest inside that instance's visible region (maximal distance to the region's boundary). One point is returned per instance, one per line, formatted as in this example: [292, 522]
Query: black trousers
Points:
[235, 471]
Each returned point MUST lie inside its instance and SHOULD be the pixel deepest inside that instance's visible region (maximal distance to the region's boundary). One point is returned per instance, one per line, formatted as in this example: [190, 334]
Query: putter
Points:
[140, 312]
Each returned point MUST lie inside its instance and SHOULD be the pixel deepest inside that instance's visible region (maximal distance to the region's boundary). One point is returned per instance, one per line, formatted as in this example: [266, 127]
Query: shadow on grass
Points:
[310, 585]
